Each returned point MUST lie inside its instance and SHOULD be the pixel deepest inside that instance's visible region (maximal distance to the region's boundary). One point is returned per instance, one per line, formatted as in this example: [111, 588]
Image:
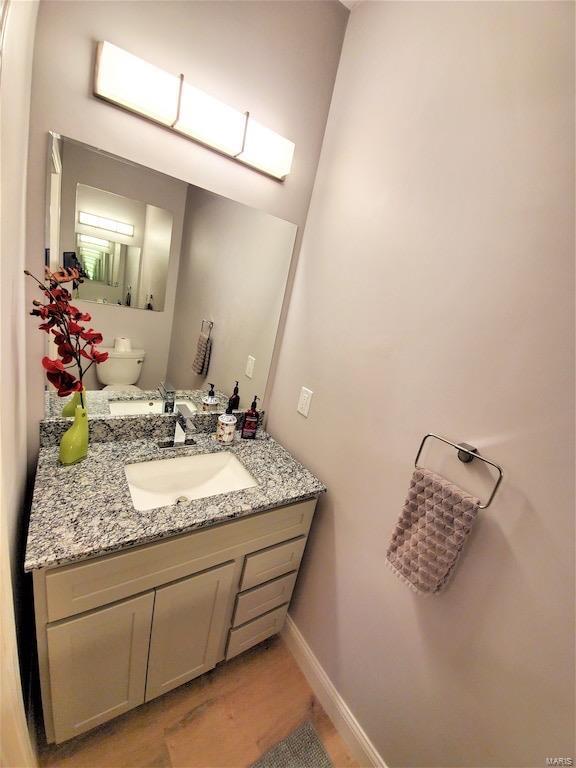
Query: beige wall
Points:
[277, 59]
[434, 293]
[148, 330]
[233, 271]
[17, 47]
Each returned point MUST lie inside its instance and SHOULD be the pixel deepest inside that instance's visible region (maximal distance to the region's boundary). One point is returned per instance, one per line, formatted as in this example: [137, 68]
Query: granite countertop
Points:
[98, 399]
[86, 510]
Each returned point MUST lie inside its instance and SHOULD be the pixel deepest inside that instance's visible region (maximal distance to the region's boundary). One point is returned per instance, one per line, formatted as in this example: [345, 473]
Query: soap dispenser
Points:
[226, 425]
[235, 399]
[250, 424]
[210, 401]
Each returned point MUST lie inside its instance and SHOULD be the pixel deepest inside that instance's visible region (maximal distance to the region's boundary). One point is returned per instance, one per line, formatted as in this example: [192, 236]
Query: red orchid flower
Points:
[53, 366]
[92, 336]
[90, 353]
[66, 352]
[73, 341]
[47, 326]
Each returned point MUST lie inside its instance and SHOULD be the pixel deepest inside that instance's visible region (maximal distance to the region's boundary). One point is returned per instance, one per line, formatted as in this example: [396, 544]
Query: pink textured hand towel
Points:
[435, 522]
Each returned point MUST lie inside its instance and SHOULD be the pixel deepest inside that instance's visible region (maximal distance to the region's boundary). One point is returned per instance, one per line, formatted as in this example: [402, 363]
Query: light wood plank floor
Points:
[227, 718]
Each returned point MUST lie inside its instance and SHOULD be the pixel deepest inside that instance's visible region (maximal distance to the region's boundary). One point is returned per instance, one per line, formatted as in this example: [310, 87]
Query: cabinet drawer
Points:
[259, 600]
[80, 587]
[254, 632]
[273, 561]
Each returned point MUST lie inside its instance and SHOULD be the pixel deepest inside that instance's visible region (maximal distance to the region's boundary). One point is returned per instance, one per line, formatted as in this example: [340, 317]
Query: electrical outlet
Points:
[250, 366]
[304, 401]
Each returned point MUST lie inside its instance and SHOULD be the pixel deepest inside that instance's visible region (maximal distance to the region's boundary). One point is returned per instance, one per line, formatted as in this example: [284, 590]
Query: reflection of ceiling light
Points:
[94, 240]
[134, 84]
[92, 254]
[101, 222]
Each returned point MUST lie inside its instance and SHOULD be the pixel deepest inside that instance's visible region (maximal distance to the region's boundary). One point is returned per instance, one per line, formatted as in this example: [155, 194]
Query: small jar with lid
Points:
[226, 428]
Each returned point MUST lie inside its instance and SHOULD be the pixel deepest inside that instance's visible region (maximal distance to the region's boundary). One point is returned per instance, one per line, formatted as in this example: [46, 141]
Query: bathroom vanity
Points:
[145, 579]
[130, 604]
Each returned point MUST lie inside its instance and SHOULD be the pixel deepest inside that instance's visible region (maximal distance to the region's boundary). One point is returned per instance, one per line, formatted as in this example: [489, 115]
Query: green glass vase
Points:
[74, 442]
[70, 407]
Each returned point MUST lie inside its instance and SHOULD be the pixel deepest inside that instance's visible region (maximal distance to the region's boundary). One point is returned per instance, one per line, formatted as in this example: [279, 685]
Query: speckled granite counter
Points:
[85, 510]
[98, 400]
[107, 427]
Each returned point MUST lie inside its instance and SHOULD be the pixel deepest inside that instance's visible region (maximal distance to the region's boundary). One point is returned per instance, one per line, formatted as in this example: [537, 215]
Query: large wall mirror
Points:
[163, 261]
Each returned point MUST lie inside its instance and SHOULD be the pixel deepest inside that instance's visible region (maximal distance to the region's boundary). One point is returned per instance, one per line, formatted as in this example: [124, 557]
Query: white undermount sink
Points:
[142, 407]
[164, 482]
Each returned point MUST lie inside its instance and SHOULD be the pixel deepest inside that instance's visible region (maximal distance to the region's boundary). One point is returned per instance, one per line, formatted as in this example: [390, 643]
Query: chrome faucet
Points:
[184, 420]
[168, 395]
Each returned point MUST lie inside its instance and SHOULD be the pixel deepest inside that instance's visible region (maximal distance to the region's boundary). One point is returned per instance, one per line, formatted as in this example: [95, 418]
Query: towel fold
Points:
[434, 524]
[203, 352]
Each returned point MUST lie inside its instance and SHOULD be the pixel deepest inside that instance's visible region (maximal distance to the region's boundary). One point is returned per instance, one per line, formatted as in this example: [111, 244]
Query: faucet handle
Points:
[166, 389]
[186, 420]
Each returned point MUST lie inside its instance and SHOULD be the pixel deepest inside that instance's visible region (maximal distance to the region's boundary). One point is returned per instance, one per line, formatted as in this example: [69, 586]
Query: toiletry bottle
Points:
[235, 399]
[226, 425]
[250, 421]
[210, 401]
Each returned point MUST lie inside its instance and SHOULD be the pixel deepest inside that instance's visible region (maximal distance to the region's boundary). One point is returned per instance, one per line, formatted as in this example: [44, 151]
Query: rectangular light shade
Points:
[94, 240]
[210, 121]
[266, 150]
[136, 85]
[101, 222]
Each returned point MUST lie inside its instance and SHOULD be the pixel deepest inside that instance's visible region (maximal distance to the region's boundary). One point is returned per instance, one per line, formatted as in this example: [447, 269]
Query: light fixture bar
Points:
[101, 222]
[94, 240]
[135, 84]
[132, 83]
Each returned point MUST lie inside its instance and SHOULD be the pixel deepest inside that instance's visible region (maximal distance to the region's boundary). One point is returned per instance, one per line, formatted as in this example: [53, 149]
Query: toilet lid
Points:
[129, 354]
[123, 388]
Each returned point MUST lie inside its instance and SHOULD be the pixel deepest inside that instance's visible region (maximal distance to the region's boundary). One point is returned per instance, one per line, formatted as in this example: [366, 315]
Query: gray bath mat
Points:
[302, 749]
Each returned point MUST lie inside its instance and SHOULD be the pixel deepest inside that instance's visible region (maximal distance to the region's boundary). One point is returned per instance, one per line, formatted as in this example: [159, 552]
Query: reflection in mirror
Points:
[213, 270]
[120, 245]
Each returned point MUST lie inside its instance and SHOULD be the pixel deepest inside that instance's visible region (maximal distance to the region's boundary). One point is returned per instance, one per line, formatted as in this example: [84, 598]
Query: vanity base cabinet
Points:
[122, 629]
[98, 665]
[189, 622]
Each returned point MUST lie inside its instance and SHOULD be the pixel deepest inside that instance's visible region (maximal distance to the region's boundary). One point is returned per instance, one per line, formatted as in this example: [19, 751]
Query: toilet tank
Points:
[121, 367]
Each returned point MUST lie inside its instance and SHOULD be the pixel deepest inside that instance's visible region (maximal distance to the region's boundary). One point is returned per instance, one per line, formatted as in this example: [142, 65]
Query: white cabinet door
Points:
[98, 665]
[189, 623]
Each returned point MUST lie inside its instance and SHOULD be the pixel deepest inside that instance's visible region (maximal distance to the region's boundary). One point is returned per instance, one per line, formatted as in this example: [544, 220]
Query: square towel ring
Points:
[466, 454]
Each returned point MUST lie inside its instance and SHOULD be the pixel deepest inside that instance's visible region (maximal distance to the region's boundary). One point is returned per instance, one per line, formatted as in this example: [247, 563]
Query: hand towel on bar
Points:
[203, 352]
[434, 524]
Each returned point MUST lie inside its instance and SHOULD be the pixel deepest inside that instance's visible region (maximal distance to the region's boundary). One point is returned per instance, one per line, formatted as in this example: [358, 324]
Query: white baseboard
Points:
[362, 749]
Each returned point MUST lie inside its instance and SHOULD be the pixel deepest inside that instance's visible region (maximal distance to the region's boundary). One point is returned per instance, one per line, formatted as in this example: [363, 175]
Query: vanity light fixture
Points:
[101, 222]
[209, 121]
[94, 240]
[132, 83]
[136, 85]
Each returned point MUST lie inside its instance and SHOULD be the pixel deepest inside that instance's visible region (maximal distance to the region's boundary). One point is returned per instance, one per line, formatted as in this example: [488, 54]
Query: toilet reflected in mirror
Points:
[122, 369]
[191, 262]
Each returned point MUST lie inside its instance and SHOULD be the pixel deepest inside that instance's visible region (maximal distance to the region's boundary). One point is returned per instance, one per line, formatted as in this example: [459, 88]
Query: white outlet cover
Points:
[304, 401]
[250, 366]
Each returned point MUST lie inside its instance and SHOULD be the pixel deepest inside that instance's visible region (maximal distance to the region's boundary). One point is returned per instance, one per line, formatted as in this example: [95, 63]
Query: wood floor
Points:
[226, 719]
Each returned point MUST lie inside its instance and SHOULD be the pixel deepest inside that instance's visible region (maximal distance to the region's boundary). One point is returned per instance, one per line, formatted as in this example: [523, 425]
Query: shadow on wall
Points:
[467, 647]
